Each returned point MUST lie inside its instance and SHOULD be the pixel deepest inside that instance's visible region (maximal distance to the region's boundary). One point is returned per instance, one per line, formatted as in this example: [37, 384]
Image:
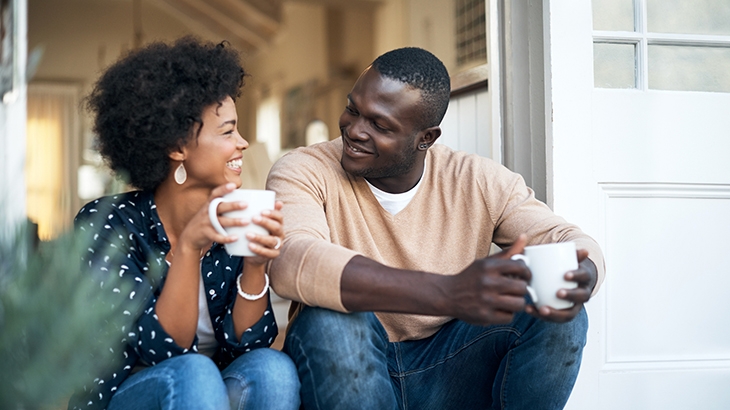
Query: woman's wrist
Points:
[249, 296]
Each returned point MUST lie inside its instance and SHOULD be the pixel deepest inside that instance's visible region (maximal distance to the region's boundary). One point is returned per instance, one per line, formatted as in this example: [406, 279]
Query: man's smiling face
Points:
[380, 132]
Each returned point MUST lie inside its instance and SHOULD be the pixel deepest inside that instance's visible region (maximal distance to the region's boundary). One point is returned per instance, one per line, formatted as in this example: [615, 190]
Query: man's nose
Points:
[357, 129]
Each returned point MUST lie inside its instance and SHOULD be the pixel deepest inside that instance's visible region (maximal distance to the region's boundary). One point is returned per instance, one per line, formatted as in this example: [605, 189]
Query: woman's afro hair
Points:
[146, 104]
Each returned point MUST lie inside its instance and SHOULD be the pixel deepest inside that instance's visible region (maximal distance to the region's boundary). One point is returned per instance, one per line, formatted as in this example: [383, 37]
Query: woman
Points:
[165, 117]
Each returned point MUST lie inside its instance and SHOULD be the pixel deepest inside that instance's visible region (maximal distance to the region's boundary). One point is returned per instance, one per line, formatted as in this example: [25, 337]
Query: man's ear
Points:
[429, 136]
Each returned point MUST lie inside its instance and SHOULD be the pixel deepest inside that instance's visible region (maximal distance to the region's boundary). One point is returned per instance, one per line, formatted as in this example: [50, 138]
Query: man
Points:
[382, 220]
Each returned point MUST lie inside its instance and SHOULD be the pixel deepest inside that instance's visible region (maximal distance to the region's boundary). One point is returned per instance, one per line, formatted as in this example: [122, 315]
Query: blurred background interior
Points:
[303, 57]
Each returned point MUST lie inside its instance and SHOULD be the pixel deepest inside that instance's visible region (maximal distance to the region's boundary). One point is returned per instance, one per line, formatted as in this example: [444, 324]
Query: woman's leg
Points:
[190, 381]
[262, 379]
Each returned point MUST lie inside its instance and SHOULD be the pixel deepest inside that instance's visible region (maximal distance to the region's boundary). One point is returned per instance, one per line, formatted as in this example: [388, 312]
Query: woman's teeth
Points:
[236, 163]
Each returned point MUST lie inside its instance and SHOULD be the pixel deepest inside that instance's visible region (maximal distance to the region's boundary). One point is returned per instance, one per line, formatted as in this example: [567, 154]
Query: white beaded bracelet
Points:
[249, 296]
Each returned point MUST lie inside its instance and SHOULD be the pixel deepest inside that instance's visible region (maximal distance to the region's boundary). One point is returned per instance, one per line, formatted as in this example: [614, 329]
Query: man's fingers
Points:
[582, 254]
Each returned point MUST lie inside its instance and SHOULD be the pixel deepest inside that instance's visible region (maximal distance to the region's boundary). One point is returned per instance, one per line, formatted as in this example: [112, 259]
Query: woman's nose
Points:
[242, 144]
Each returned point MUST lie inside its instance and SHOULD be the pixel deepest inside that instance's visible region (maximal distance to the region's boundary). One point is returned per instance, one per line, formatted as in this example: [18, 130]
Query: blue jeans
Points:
[345, 361]
[260, 379]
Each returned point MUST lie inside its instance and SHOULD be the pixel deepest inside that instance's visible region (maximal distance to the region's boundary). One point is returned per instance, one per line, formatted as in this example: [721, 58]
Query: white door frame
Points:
[12, 133]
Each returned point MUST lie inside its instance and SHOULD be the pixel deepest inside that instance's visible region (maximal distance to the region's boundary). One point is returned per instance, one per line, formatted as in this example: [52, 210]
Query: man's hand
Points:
[490, 290]
[586, 275]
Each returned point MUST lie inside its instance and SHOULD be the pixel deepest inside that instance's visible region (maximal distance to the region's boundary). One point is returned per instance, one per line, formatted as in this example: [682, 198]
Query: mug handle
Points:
[530, 290]
[213, 215]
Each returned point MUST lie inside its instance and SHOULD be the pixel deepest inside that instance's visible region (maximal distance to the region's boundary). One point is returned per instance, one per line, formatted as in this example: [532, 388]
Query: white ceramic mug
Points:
[258, 200]
[549, 263]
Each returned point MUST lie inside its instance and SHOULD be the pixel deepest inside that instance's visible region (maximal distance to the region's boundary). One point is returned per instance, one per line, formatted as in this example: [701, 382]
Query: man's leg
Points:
[341, 360]
[527, 364]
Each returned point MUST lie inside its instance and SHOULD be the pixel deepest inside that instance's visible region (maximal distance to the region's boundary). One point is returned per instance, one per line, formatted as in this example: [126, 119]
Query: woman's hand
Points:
[266, 247]
[199, 233]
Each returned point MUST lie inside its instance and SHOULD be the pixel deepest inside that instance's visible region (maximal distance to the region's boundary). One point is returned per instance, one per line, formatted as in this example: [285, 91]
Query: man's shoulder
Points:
[445, 158]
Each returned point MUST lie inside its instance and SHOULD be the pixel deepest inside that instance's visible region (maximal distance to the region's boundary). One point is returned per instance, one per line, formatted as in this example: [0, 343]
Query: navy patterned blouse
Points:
[127, 240]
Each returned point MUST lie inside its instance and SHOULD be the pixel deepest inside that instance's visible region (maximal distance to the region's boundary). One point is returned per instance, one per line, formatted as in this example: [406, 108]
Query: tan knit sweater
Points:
[464, 203]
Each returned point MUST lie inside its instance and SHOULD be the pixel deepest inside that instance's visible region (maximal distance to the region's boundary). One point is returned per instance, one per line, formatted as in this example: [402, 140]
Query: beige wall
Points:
[432, 26]
[324, 46]
[82, 37]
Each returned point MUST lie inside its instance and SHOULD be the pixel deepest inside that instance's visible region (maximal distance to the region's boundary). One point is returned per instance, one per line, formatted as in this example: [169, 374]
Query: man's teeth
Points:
[236, 163]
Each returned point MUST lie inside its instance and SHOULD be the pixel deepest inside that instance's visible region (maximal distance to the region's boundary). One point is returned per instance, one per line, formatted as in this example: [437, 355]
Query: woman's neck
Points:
[176, 206]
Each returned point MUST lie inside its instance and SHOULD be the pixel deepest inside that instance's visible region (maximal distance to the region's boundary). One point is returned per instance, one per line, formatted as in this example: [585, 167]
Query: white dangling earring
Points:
[180, 174]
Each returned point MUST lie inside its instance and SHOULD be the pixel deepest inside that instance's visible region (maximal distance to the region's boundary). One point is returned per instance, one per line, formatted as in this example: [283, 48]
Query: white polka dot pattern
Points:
[129, 243]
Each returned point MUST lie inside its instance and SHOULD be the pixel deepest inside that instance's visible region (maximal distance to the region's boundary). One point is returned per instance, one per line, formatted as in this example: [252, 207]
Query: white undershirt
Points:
[394, 203]
[207, 344]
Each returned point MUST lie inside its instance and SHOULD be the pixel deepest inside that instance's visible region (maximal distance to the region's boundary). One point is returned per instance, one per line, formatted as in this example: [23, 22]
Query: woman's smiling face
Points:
[214, 156]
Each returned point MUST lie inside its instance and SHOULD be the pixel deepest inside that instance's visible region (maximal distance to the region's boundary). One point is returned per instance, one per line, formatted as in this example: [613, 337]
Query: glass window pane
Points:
[614, 65]
[613, 15]
[686, 68]
[688, 16]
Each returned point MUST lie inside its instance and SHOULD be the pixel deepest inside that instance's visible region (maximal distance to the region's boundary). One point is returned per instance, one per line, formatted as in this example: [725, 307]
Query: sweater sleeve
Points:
[515, 210]
[310, 266]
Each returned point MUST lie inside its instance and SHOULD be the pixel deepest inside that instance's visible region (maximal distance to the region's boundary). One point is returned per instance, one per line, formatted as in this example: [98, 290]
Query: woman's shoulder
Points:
[127, 200]
[134, 207]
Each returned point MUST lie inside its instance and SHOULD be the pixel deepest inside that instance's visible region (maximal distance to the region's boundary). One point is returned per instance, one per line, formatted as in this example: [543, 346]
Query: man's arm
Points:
[489, 291]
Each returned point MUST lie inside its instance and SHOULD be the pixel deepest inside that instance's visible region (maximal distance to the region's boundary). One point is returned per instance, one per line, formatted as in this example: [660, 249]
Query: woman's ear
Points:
[178, 154]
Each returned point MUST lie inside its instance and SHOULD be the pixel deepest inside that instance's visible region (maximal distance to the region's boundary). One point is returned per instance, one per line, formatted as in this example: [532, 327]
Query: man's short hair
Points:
[421, 70]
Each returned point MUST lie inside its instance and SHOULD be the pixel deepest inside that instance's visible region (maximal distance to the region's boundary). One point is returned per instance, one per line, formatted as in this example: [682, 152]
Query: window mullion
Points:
[642, 52]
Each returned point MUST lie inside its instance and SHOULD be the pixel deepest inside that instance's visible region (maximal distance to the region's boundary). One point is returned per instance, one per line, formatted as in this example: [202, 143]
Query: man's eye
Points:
[378, 127]
[350, 110]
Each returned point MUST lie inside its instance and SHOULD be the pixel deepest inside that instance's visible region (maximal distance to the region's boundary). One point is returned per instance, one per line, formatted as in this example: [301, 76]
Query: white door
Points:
[640, 107]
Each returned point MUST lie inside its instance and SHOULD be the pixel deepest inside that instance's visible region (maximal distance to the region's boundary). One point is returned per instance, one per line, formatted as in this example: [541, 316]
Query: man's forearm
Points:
[367, 285]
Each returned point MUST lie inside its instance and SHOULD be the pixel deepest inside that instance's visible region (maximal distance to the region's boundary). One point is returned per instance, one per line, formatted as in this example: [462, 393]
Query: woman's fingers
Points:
[221, 190]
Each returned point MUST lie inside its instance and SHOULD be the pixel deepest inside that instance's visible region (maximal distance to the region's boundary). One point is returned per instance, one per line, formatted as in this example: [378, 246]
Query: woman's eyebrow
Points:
[232, 122]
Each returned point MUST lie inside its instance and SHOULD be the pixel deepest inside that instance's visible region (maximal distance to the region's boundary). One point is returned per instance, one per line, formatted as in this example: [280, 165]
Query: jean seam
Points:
[462, 348]
[243, 384]
[296, 338]
[401, 377]
[503, 387]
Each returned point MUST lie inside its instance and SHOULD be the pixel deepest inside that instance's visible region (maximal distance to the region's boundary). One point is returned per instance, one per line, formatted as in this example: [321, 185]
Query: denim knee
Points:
[188, 381]
[262, 378]
[334, 333]
[341, 359]
[270, 369]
